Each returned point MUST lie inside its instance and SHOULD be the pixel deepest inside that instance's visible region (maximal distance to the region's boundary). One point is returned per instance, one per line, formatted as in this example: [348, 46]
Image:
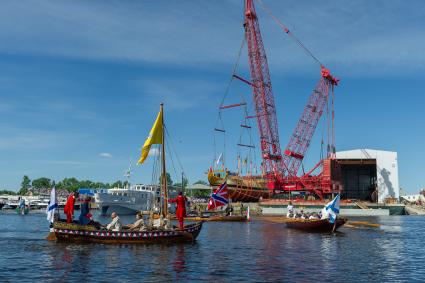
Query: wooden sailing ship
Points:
[73, 232]
[241, 188]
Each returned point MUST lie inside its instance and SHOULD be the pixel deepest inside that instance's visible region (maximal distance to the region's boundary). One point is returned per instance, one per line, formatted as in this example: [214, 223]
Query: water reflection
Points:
[256, 251]
[179, 263]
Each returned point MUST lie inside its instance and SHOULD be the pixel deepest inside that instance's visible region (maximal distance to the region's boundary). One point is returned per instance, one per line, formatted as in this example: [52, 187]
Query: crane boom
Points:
[301, 137]
[263, 94]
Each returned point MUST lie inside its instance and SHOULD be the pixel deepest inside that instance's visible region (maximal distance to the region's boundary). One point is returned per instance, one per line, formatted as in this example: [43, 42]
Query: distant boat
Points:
[128, 200]
[329, 221]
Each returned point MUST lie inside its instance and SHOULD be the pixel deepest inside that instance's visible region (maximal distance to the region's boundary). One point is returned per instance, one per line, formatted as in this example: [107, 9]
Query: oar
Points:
[51, 236]
[362, 223]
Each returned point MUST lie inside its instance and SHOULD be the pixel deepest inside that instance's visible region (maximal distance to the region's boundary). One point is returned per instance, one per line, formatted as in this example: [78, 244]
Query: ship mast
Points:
[164, 172]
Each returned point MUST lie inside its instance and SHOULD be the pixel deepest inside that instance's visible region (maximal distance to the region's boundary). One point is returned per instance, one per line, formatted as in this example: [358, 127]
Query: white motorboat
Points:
[128, 200]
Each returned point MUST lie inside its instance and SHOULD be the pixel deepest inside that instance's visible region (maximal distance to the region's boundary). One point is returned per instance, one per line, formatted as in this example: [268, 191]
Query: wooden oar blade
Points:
[51, 236]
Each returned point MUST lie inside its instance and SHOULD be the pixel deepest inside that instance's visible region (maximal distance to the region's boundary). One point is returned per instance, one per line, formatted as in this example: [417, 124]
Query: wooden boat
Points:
[240, 188]
[314, 225]
[71, 232]
[74, 232]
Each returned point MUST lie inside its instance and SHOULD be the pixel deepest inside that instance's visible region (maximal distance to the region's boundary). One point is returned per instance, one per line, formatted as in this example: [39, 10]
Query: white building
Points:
[369, 174]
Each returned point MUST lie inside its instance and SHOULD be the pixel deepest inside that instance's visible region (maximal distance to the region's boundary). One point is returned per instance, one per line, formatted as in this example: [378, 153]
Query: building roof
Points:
[364, 153]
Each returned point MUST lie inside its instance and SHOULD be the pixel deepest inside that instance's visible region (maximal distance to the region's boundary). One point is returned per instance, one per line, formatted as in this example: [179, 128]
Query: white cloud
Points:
[105, 154]
[358, 37]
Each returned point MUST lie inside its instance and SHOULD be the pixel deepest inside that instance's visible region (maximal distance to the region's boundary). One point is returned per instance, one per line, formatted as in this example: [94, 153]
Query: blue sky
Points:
[81, 81]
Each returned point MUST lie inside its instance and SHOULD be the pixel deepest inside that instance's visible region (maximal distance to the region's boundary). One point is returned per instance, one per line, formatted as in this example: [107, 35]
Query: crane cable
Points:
[287, 31]
[235, 67]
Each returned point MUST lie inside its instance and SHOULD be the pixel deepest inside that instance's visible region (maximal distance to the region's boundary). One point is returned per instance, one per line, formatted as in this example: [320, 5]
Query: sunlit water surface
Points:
[224, 252]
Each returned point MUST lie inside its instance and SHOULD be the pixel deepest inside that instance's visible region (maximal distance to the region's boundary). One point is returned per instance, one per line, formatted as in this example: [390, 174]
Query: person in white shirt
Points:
[136, 225]
[290, 210]
[115, 224]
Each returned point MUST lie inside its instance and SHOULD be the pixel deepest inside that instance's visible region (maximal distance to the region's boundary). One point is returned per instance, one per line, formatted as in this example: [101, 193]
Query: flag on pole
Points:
[127, 173]
[331, 209]
[219, 197]
[53, 204]
[155, 137]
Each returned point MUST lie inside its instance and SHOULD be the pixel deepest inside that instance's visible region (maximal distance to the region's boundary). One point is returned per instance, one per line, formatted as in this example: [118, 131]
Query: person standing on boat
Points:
[84, 211]
[21, 205]
[180, 200]
[69, 207]
[290, 210]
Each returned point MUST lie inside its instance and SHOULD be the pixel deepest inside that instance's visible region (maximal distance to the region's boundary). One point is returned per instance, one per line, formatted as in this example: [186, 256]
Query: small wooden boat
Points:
[76, 233]
[314, 225]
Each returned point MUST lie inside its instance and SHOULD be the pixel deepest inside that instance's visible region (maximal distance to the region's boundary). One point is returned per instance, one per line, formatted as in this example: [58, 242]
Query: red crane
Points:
[281, 171]
[263, 96]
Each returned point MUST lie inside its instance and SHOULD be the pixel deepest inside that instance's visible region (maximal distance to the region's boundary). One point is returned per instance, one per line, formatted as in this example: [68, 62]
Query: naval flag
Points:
[219, 197]
[53, 204]
[331, 209]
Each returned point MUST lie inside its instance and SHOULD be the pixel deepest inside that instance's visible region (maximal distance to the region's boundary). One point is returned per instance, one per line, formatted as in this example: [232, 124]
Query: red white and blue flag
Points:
[219, 197]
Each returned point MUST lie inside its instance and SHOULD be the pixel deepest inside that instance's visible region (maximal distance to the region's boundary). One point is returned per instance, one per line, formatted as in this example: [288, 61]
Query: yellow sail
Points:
[155, 137]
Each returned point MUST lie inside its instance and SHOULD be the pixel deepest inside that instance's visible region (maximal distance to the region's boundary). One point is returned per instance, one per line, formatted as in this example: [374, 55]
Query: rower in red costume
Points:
[180, 200]
[69, 208]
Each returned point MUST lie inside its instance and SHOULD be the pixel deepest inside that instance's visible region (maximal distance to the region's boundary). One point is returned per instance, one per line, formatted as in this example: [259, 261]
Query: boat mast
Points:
[164, 172]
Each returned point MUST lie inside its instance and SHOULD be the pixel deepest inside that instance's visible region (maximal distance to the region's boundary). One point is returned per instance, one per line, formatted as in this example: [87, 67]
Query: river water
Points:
[257, 251]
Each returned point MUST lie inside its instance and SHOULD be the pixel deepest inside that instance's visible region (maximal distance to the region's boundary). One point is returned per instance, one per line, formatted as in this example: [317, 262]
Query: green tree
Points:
[179, 185]
[41, 183]
[117, 184]
[25, 185]
[6, 192]
[70, 184]
[169, 180]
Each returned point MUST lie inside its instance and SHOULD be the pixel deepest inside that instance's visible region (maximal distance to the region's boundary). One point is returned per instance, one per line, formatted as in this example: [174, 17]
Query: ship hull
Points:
[245, 189]
[75, 233]
[246, 194]
[314, 226]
